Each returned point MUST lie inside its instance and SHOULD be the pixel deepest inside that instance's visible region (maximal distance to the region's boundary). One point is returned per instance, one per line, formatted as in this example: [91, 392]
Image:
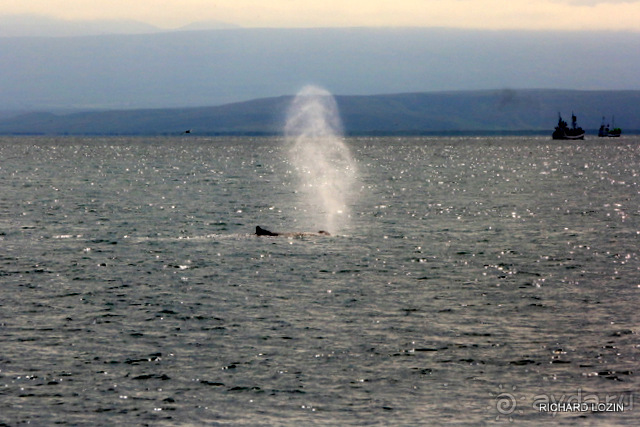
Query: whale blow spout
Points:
[325, 170]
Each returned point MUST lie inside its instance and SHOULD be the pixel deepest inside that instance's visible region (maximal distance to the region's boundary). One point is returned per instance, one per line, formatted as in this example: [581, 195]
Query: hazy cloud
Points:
[595, 2]
[585, 15]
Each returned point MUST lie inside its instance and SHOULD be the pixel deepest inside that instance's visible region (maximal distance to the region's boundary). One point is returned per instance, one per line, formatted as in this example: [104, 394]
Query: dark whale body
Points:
[264, 232]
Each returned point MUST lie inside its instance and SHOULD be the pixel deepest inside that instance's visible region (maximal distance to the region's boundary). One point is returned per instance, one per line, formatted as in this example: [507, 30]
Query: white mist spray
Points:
[323, 163]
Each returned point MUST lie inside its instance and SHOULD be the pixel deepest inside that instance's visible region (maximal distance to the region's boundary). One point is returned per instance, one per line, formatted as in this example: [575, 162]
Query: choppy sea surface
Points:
[478, 280]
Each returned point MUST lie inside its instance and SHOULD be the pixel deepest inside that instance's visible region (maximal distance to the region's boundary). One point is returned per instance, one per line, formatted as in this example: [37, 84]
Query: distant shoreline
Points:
[590, 134]
[463, 113]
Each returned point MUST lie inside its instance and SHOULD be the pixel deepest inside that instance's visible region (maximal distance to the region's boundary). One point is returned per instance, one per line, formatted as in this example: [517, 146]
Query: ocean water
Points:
[477, 281]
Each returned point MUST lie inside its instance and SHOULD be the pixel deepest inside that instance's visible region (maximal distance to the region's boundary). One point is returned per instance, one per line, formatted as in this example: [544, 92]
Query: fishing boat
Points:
[607, 131]
[563, 131]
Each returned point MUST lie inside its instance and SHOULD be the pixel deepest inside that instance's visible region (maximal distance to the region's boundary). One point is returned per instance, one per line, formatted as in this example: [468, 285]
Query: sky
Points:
[617, 15]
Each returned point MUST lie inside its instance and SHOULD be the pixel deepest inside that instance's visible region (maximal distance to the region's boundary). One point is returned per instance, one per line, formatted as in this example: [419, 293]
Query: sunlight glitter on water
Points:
[471, 269]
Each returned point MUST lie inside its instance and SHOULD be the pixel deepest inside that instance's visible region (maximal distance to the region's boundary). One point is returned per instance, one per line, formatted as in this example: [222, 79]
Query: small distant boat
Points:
[563, 131]
[611, 132]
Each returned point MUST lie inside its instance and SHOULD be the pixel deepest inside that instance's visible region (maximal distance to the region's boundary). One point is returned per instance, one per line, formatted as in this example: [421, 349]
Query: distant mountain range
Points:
[32, 25]
[216, 67]
[490, 111]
